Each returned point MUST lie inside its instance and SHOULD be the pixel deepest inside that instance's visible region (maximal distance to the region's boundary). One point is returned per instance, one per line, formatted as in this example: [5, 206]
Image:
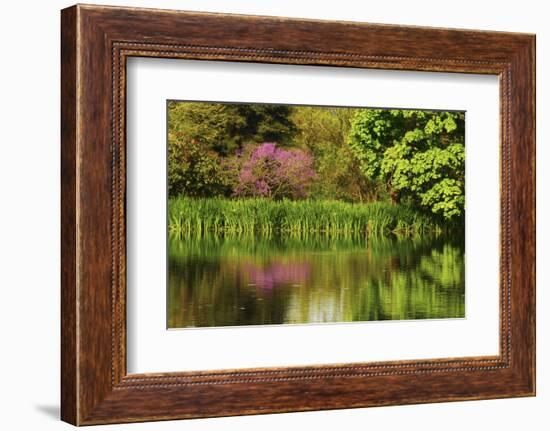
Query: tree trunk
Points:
[394, 194]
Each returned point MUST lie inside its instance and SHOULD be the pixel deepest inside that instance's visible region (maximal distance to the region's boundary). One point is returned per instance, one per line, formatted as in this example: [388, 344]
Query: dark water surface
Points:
[217, 281]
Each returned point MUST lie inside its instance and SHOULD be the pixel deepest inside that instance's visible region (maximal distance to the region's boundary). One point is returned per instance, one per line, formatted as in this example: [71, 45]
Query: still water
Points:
[229, 281]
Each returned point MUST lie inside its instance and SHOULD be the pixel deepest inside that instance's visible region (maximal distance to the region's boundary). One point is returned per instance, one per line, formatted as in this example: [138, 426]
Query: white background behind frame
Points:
[153, 348]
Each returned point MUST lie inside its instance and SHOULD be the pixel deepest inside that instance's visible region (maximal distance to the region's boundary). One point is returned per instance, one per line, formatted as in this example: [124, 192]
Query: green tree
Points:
[224, 127]
[193, 171]
[323, 131]
[418, 155]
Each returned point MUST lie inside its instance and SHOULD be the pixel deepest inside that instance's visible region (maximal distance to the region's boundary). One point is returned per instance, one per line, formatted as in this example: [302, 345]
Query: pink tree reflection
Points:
[276, 274]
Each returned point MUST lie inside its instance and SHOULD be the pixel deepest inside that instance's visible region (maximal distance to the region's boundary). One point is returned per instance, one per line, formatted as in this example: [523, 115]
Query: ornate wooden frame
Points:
[95, 43]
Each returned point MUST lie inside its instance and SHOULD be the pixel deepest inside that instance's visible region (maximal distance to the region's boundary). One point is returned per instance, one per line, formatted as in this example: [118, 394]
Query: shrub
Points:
[268, 171]
[193, 170]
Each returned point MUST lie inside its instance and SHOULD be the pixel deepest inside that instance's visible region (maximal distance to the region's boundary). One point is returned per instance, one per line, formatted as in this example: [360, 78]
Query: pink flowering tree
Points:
[268, 171]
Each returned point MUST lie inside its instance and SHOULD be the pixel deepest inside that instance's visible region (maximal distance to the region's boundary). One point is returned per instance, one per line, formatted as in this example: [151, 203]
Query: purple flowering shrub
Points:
[271, 172]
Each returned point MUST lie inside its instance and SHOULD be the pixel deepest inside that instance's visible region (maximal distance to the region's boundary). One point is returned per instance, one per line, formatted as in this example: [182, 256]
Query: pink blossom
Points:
[269, 171]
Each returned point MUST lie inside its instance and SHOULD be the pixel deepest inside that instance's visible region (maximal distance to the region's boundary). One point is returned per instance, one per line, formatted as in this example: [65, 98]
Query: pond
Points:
[217, 280]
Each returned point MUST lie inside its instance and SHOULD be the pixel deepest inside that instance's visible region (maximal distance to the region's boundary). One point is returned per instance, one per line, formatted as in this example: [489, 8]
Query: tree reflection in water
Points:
[240, 280]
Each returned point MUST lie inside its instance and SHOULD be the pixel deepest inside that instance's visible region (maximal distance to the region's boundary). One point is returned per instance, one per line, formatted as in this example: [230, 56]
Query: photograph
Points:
[302, 214]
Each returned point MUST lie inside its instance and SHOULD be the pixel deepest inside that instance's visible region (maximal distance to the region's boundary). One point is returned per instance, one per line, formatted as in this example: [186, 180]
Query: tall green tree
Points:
[323, 131]
[224, 128]
[194, 171]
[418, 155]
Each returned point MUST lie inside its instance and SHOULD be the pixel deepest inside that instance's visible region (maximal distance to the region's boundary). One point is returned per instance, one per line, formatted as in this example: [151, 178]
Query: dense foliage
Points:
[225, 128]
[404, 158]
[192, 170]
[324, 133]
[418, 155]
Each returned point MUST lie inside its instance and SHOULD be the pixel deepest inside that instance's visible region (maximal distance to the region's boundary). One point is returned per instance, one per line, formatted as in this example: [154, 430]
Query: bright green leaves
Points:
[418, 155]
[370, 133]
[445, 197]
[396, 166]
[443, 122]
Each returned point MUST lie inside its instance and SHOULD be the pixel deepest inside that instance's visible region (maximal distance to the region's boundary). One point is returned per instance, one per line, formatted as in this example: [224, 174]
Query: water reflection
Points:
[277, 274]
[217, 281]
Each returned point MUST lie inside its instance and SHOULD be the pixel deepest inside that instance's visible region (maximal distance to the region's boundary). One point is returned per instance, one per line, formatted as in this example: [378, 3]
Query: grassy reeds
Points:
[297, 218]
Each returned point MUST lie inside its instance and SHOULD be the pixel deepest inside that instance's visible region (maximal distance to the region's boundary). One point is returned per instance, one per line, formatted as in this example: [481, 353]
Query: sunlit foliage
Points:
[418, 155]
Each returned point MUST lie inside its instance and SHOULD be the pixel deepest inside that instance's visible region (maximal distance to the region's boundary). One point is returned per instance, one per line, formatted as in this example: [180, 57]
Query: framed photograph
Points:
[265, 214]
